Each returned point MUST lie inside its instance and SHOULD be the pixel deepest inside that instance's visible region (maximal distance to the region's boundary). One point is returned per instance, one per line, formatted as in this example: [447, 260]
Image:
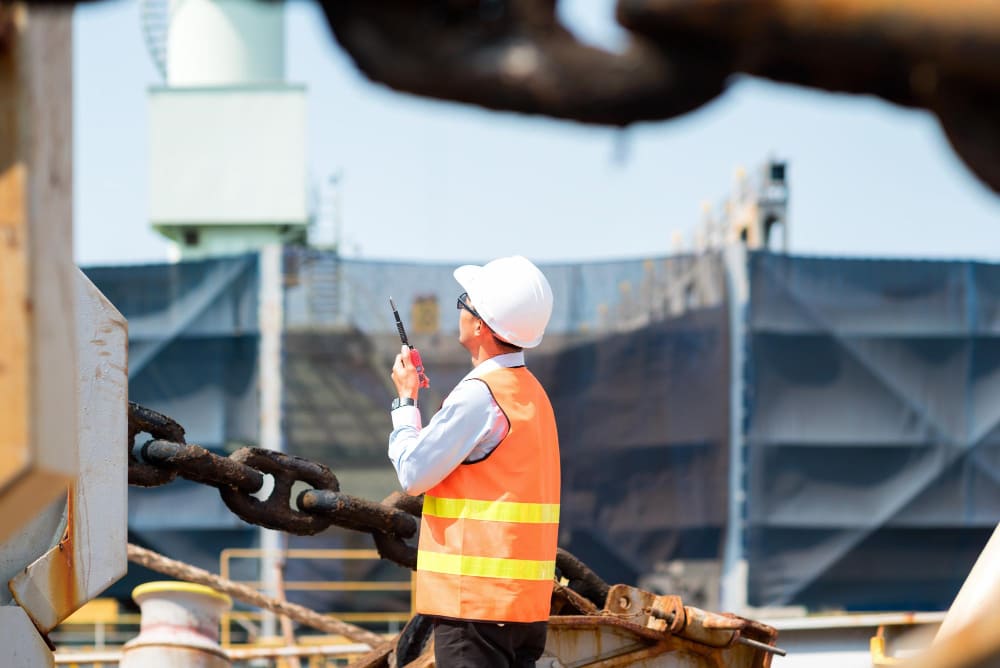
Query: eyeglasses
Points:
[464, 304]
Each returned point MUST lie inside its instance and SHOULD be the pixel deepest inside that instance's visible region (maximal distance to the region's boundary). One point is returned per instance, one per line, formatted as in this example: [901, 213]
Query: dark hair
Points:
[510, 347]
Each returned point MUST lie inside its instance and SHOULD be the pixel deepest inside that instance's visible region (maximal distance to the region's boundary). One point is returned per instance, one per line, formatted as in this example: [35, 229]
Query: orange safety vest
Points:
[489, 530]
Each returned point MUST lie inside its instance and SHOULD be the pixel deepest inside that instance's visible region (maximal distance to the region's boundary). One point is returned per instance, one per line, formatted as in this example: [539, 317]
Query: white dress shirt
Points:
[468, 427]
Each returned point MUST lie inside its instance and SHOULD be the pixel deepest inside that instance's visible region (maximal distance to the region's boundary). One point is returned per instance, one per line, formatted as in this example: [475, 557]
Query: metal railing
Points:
[392, 620]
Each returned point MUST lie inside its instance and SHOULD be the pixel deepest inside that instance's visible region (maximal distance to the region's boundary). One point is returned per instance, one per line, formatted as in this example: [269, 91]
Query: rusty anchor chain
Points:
[257, 485]
[277, 511]
[159, 426]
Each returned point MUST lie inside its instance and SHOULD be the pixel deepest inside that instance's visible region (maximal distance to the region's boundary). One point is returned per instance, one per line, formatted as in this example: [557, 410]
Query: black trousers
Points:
[463, 644]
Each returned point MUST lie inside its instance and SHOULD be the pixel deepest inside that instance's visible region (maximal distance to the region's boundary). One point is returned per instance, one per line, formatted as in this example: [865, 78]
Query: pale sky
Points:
[430, 180]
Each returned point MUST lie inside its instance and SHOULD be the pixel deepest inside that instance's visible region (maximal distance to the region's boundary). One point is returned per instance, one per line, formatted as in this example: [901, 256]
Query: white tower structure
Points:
[759, 207]
[227, 133]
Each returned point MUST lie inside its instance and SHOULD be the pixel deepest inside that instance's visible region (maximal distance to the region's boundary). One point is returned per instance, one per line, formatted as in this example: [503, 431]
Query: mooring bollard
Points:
[179, 628]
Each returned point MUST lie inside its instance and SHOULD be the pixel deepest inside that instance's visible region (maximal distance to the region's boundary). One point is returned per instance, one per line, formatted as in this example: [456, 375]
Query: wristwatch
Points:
[404, 401]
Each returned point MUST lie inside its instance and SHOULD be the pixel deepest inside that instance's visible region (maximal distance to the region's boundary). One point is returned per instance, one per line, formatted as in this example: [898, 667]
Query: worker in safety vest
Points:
[488, 466]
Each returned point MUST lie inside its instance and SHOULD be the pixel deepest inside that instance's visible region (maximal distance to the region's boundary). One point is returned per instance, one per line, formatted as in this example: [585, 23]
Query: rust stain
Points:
[63, 585]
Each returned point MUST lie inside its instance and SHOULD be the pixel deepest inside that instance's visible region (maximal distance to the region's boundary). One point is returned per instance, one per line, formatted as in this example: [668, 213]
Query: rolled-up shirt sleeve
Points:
[424, 456]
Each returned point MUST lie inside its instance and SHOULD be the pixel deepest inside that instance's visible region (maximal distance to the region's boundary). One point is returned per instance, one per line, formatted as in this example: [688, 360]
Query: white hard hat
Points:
[512, 296]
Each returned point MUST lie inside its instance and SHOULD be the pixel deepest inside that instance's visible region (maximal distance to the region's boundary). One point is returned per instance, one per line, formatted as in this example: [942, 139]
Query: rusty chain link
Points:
[158, 426]
[241, 480]
[277, 511]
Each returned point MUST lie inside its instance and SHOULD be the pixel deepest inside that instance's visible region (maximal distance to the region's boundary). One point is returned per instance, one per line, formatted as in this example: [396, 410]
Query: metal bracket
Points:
[91, 553]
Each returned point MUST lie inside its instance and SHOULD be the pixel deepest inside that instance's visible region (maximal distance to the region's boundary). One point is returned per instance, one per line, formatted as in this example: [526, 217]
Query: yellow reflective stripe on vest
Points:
[492, 511]
[490, 567]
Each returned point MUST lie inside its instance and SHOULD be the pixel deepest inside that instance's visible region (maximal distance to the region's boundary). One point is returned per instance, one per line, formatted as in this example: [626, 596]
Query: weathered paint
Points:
[604, 641]
[91, 553]
[640, 629]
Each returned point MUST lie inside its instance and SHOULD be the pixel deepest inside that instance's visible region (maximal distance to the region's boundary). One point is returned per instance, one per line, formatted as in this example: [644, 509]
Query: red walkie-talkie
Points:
[414, 355]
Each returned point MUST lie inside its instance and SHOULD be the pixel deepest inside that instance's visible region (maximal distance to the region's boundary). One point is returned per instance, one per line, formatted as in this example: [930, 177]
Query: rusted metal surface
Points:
[565, 601]
[515, 55]
[413, 505]
[200, 465]
[645, 609]
[581, 578]
[159, 426]
[637, 629]
[354, 510]
[668, 614]
[276, 512]
[394, 547]
[610, 640]
[241, 480]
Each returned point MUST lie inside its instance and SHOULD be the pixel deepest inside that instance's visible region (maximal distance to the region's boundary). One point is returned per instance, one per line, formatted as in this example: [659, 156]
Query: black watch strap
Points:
[404, 401]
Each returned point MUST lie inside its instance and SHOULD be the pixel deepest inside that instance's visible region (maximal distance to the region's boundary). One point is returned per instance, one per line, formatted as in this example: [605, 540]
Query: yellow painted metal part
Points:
[879, 658]
[171, 586]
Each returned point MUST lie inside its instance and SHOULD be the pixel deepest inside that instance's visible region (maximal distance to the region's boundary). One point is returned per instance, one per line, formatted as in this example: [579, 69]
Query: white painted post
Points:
[180, 627]
[271, 318]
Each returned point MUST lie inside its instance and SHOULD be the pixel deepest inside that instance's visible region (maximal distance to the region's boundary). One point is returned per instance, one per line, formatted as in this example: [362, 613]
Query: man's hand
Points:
[404, 375]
